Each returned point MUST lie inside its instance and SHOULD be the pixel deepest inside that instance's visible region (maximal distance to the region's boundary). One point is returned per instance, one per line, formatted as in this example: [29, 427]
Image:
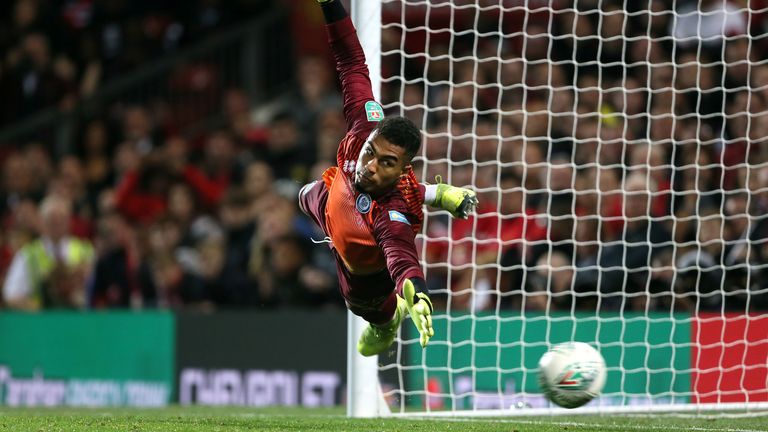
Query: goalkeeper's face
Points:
[380, 165]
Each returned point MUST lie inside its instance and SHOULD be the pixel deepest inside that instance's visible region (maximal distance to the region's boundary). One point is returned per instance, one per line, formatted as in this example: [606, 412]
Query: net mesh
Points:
[617, 149]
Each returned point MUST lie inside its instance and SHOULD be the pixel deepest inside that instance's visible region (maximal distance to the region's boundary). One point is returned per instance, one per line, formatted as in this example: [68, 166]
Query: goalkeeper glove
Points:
[459, 202]
[419, 308]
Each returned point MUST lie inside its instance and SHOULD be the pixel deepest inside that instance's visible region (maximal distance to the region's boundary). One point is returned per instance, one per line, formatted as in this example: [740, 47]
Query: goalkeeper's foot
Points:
[459, 202]
[376, 339]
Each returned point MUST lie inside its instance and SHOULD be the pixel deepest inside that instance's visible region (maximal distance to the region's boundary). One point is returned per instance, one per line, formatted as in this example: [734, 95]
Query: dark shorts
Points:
[370, 296]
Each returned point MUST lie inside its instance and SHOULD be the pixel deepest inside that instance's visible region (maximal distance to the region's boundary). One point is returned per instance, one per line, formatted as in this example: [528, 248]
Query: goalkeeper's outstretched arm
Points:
[353, 72]
[394, 234]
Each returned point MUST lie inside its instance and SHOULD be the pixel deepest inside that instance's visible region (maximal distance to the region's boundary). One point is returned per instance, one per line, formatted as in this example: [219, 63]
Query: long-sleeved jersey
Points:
[369, 235]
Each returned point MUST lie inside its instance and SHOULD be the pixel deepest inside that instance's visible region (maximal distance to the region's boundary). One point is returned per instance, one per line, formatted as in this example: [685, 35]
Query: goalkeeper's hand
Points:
[419, 308]
[459, 202]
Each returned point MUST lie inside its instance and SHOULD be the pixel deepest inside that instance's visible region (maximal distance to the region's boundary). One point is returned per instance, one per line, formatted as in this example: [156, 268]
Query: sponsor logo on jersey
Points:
[363, 203]
[373, 111]
[349, 166]
[398, 217]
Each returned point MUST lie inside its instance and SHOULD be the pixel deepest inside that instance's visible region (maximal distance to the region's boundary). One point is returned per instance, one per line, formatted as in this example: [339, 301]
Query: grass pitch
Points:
[333, 420]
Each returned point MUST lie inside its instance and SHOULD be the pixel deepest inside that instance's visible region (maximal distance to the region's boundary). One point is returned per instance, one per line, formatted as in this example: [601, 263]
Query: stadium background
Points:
[180, 134]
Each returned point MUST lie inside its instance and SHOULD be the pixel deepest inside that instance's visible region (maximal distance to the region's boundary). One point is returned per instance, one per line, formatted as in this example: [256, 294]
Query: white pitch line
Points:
[708, 416]
[582, 424]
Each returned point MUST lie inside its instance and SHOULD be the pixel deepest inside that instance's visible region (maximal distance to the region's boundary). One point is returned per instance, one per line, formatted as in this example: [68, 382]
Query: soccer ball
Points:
[571, 374]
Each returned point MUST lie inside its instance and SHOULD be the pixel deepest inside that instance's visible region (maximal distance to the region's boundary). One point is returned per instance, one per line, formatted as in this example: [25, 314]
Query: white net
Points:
[617, 148]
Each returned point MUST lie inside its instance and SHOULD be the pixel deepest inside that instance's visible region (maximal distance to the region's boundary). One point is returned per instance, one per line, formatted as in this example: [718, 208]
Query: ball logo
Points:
[577, 376]
[363, 203]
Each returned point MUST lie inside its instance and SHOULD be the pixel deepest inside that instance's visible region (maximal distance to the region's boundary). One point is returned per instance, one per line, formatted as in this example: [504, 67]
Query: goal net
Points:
[618, 151]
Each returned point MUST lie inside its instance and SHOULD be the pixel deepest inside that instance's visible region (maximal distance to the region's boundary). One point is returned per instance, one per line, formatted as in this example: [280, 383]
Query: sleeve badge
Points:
[398, 217]
[373, 111]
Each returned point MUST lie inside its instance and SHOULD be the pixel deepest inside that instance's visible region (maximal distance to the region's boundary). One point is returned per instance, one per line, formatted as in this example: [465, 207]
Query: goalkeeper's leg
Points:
[377, 338]
[373, 298]
[381, 307]
[312, 200]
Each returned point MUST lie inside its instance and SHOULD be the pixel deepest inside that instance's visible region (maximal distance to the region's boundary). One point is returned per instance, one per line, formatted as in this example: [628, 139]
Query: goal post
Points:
[618, 151]
[364, 394]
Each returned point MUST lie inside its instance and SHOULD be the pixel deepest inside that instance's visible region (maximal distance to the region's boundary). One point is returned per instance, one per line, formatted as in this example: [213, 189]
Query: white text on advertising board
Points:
[258, 387]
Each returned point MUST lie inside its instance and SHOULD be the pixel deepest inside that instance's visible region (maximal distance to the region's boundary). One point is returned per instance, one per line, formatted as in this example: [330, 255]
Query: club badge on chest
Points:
[363, 203]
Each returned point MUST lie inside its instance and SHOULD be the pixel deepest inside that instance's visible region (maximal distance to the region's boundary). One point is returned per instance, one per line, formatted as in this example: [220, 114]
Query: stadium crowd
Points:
[619, 163]
[58, 52]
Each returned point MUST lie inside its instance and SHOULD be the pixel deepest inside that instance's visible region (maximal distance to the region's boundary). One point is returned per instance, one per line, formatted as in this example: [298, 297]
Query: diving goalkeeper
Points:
[370, 204]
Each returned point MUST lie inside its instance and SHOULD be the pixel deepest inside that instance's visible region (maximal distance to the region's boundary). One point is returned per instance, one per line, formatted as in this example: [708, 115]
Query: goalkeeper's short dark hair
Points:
[401, 132]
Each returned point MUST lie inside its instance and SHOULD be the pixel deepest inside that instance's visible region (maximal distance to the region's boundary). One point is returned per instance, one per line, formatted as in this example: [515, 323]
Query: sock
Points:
[389, 325]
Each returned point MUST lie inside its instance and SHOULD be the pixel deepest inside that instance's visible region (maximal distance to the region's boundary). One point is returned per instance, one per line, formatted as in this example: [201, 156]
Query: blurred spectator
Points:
[330, 130]
[114, 283]
[284, 151]
[142, 193]
[550, 284]
[32, 82]
[41, 167]
[237, 110]
[219, 168]
[705, 23]
[649, 160]
[612, 30]
[17, 180]
[318, 278]
[556, 216]
[95, 153]
[139, 130]
[201, 283]
[625, 263]
[160, 274]
[51, 271]
[316, 92]
[286, 258]
[700, 268]
[259, 186]
[235, 285]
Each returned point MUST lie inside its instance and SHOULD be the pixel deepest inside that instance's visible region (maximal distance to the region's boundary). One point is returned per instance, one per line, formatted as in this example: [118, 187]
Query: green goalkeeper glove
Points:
[459, 202]
[419, 308]
[324, 1]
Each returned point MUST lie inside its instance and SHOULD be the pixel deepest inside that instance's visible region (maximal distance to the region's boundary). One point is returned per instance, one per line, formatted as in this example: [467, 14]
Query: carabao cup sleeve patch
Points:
[373, 111]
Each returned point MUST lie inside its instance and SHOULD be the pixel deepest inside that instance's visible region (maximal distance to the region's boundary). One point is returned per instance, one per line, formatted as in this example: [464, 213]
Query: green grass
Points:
[297, 419]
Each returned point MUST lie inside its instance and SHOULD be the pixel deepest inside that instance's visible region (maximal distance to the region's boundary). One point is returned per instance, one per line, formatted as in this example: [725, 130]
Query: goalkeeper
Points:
[370, 204]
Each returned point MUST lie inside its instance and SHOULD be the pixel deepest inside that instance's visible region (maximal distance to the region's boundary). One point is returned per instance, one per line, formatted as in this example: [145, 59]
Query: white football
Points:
[572, 374]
